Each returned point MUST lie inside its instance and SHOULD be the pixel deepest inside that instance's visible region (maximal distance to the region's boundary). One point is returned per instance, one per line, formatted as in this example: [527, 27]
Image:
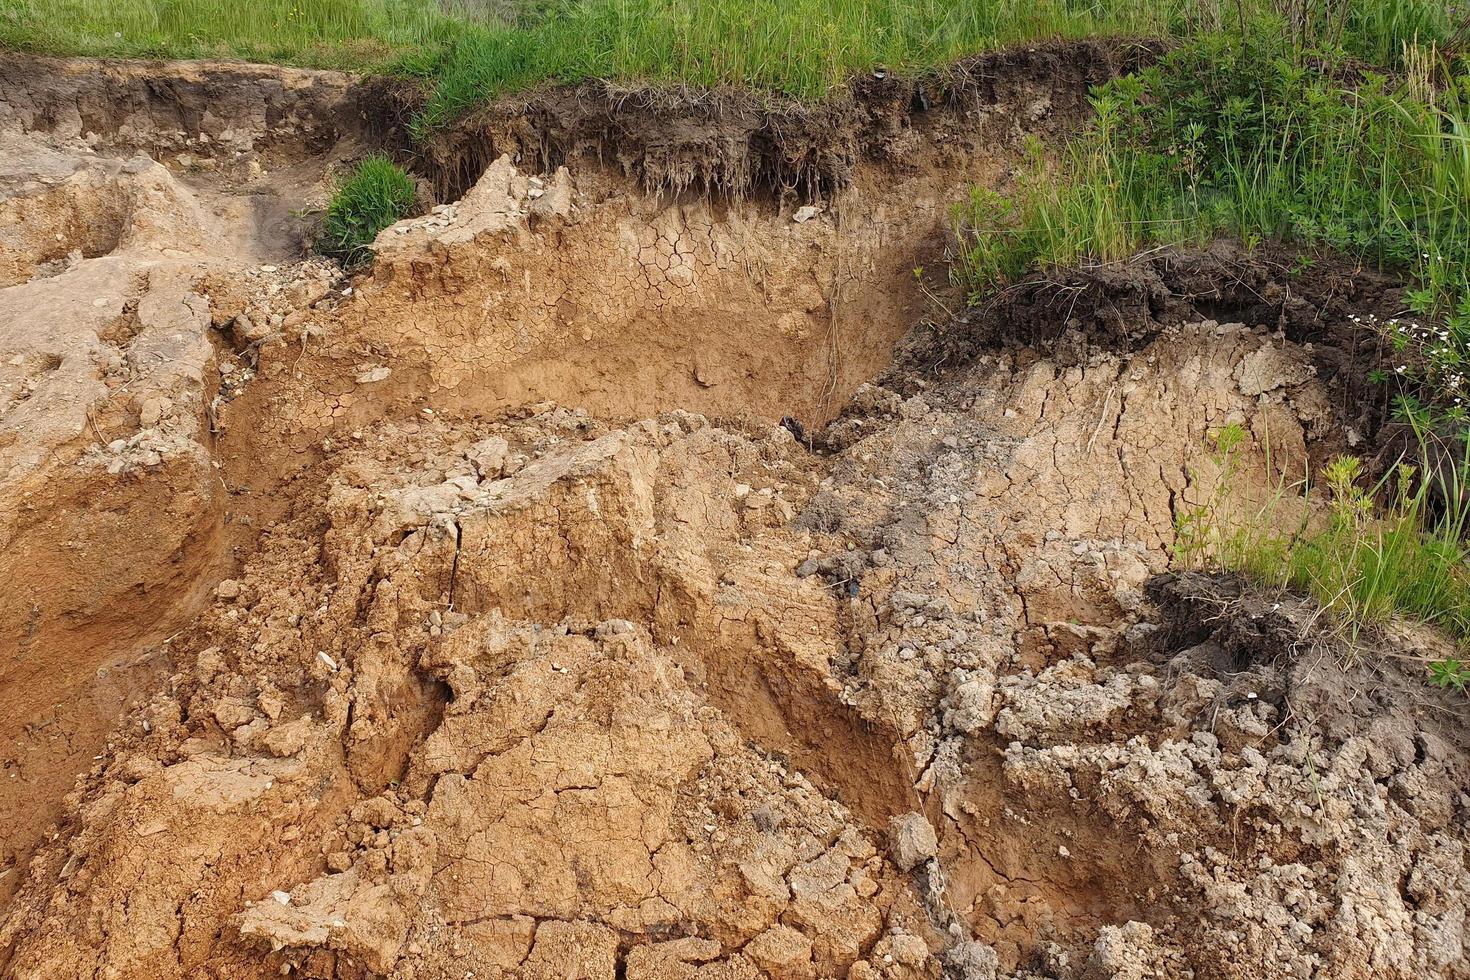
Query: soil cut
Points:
[631, 585]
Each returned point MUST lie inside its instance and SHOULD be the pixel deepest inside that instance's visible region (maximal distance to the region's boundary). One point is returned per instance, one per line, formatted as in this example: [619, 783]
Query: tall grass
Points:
[319, 33]
[474, 50]
[802, 49]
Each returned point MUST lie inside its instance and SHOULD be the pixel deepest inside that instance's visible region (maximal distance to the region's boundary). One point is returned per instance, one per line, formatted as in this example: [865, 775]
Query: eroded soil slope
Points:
[531, 642]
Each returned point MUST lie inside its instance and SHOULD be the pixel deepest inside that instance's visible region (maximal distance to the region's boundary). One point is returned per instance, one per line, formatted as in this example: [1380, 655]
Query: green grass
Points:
[1247, 139]
[371, 198]
[1364, 564]
[471, 51]
[360, 34]
[801, 49]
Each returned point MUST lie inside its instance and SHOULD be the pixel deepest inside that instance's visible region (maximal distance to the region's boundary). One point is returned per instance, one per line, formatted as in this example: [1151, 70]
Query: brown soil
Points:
[1316, 301]
[563, 597]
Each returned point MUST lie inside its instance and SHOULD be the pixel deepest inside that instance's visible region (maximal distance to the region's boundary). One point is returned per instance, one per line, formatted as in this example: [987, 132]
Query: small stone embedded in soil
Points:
[288, 739]
[488, 456]
[153, 411]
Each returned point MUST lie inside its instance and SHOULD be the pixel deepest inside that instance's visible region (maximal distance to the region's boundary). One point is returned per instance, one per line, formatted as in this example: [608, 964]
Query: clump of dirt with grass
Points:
[1378, 550]
[1246, 136]
[373, 196]
[1279, 141]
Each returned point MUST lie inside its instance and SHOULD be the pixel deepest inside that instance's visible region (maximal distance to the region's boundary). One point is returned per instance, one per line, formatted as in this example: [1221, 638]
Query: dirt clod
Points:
[911, 841]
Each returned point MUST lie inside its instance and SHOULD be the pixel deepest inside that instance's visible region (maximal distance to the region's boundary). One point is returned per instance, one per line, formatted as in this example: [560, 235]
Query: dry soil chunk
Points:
[572, 949]
[911, 840]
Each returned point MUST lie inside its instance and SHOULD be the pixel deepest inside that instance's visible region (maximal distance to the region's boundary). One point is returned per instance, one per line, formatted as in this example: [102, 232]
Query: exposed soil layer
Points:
[734, 143]
[491, 612]
[223, 111]
[121, 186]
[153, 213]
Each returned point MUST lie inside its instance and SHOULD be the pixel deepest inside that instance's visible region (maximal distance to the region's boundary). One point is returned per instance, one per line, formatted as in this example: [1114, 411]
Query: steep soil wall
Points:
[112, 511]
[733, 143]
[213, 110]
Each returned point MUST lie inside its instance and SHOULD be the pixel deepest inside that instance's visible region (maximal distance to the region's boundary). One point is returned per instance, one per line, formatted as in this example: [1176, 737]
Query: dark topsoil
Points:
[729, 141]
[735, 142]
[1277, 647]
[1307, 298]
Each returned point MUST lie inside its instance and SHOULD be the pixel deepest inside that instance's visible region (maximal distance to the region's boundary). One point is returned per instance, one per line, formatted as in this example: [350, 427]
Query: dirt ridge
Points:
[726, 141]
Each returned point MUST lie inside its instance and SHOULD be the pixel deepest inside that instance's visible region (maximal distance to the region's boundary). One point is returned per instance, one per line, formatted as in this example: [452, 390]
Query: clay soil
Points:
[638, 573]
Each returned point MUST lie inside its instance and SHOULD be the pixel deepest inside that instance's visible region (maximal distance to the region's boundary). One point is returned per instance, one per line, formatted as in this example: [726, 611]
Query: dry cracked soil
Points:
[631, 577]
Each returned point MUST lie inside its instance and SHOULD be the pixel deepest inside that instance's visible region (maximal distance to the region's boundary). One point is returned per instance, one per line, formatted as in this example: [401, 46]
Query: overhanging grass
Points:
[801, 49]
[804, 49]
[1245, 139]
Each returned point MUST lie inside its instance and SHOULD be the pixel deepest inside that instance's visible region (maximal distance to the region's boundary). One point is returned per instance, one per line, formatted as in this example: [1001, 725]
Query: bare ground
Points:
[481, 616]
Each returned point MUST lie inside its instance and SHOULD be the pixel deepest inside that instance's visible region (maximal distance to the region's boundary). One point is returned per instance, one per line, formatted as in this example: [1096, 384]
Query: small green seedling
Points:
[1450, 673]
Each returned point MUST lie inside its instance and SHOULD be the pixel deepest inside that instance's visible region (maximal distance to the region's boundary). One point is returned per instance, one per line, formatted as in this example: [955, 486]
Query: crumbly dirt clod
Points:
[484, 613]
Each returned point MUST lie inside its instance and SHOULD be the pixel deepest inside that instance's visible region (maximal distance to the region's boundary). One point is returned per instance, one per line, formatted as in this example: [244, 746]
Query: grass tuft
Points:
[374, 196]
